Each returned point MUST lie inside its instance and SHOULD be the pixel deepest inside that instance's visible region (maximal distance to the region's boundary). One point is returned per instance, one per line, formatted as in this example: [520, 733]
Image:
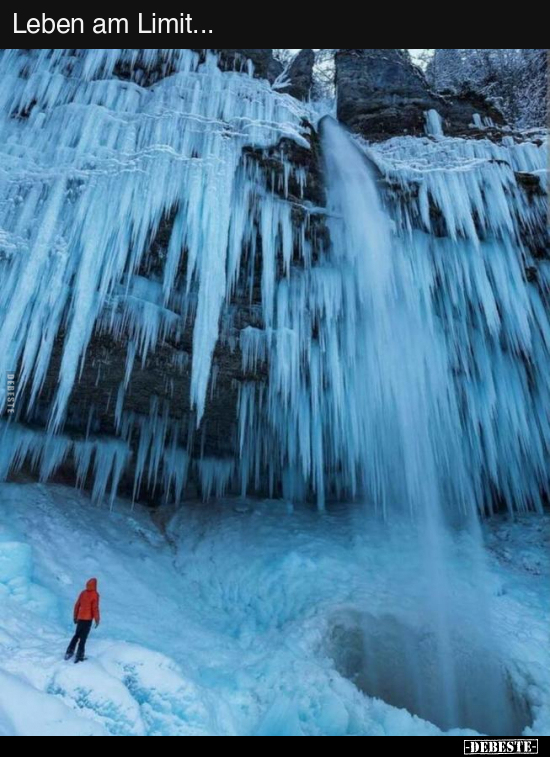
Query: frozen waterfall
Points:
[420, 366]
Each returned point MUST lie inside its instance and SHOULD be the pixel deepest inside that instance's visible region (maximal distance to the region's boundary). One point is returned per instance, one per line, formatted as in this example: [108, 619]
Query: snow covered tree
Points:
[284, 55]
[534, 96]
[516, 80]
[423, 57]
[446, 70]
[325, 73]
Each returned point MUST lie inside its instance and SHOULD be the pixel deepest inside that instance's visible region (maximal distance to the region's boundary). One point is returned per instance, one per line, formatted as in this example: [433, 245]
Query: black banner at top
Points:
[150, 29]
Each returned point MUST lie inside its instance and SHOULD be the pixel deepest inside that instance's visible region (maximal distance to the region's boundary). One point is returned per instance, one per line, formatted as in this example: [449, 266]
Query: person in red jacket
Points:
[86, 610]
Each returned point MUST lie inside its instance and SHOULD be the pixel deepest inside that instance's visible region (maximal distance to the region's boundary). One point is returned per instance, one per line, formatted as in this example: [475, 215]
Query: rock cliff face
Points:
[300, 75]
[382, 94]
[146, 71]
[265, 65]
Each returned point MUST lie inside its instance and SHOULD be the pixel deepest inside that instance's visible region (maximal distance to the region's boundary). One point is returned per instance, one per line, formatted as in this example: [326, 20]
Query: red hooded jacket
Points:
[87, 605]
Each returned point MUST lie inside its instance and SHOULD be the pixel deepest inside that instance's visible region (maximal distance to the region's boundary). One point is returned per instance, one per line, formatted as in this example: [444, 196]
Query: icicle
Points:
[214, 476]
[94, 169]
[434, 124]
[46, 454]
[108, 161]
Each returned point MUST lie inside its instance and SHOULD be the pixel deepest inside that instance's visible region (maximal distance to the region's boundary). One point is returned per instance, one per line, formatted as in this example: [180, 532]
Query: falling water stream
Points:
[407, 407]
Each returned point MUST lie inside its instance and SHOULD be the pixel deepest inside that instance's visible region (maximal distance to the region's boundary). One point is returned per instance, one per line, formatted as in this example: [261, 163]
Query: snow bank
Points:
[221, 622]
[24, 711]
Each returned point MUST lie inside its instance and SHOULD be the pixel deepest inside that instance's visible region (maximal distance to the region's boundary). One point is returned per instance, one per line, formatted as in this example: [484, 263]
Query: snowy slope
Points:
[226, 621]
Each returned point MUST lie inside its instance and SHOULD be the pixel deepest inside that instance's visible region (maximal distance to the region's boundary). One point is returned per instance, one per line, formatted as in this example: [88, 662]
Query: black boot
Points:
[68, 656]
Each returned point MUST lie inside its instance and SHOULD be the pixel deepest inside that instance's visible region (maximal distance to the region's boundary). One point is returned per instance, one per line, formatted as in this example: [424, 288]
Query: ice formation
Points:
[474, 237]
[434, 124]
[92, 164]
[249, 623]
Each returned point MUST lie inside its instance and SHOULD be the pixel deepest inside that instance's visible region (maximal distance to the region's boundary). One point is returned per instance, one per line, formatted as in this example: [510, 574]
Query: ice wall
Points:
[92, 166]
[471, 220]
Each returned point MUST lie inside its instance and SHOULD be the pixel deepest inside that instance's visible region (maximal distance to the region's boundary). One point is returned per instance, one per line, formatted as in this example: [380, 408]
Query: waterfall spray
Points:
[405, 400]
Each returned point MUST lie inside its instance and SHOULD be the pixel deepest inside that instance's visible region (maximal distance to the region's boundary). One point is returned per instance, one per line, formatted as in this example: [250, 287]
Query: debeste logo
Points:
[501, 746]
[10, 401]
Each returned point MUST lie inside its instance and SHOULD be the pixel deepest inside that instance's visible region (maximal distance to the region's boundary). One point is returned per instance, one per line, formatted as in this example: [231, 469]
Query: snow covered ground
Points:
[236, 619]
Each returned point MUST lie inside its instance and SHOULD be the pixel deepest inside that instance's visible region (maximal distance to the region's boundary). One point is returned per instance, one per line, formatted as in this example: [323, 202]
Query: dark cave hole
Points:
[467, 688]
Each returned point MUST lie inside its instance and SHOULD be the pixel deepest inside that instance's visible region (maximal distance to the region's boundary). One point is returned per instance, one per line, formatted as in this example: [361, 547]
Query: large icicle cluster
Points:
[87, 181]
[91, 165]
[94, 166]
[471, 219]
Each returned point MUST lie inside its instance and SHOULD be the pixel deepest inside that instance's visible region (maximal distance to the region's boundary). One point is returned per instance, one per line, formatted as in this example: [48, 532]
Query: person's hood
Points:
[92, 584]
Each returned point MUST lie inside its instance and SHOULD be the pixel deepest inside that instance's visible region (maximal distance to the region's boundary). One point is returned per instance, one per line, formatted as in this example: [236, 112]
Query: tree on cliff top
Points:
[516, 80]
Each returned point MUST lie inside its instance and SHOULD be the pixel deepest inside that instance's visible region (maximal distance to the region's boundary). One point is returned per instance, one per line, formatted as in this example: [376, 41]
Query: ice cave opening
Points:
[398, 664]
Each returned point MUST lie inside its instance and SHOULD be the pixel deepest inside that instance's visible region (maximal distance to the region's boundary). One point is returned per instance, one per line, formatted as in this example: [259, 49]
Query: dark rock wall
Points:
[140, 72]
[382, 94]
[300, 75]
[235, 59]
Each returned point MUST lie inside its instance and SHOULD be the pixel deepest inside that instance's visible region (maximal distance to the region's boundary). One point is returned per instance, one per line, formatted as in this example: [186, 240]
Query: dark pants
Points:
[83, 628]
